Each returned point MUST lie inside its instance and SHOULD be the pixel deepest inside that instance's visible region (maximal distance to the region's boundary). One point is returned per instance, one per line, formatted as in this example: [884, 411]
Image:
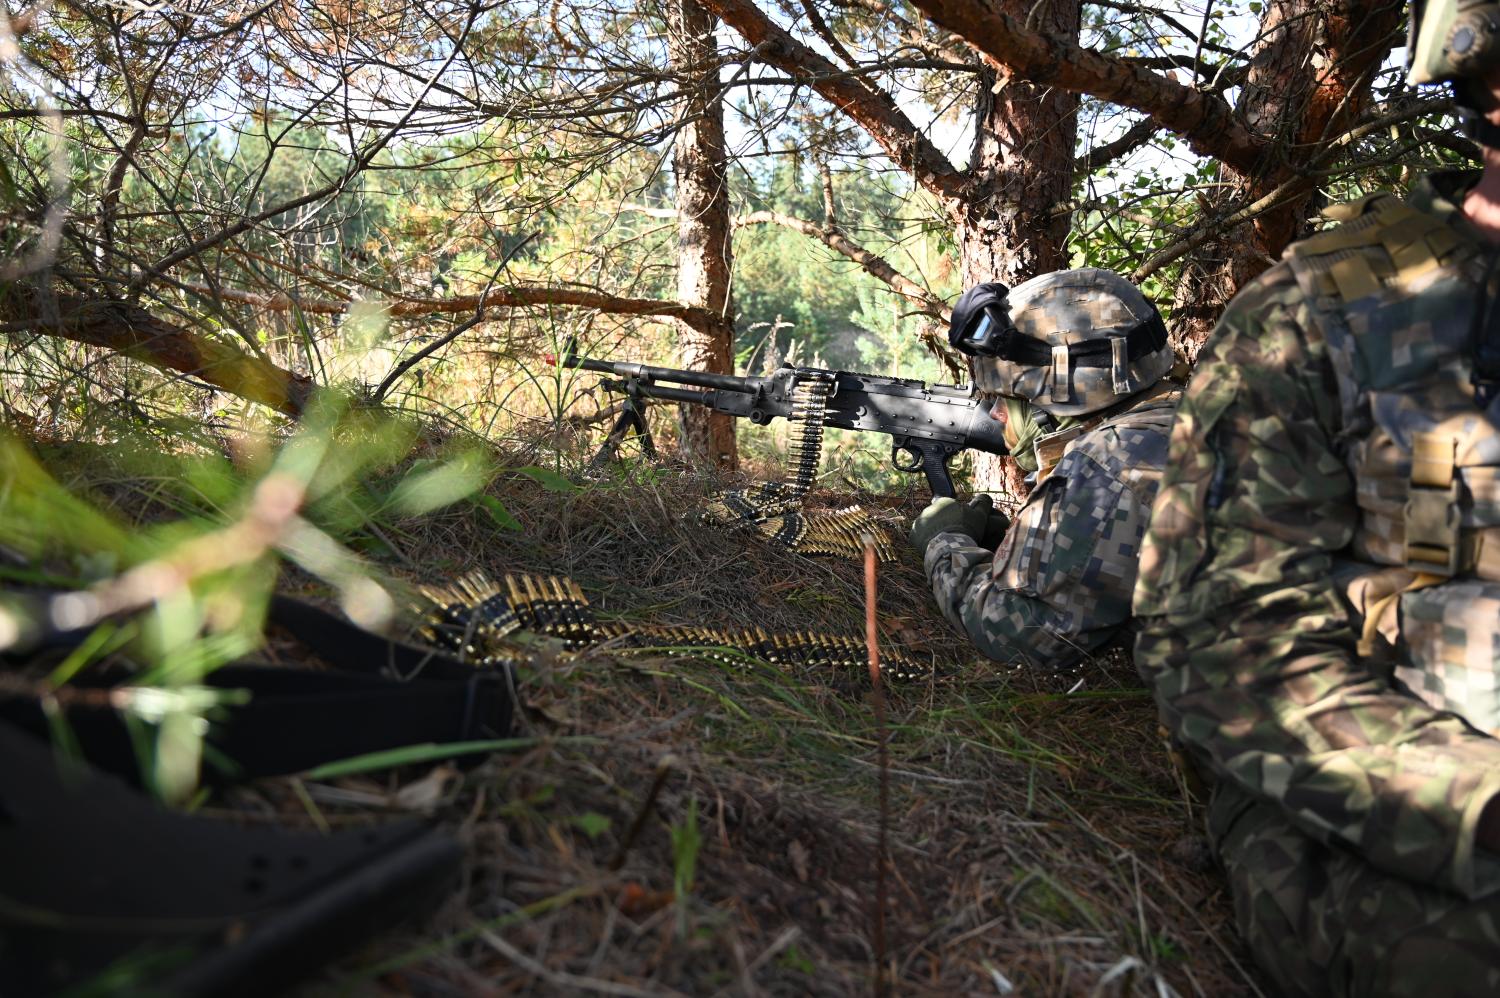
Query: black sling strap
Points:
[381, 694]
[95, 877]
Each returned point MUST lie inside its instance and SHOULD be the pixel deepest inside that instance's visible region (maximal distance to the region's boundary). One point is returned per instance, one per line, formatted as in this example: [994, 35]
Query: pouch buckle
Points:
[1432, 516]
[1432, 529]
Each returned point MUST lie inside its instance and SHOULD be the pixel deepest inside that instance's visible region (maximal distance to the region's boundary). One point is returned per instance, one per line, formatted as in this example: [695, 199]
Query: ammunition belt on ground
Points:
[775, 508]
[474, 617]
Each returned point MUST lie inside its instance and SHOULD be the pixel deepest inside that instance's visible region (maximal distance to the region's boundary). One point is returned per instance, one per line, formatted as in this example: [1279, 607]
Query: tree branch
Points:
[873, 264]
[359, 164]
[875, 111]
[131, 330]
[452, 334]
[822, 30]
[1135, 136]
[1305, 180]
[1205, 120]
[21, 113]
[515, 297]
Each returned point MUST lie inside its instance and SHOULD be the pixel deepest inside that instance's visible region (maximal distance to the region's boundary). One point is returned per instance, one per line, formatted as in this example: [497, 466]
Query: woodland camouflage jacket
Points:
[1059, 586]
[1291, 461]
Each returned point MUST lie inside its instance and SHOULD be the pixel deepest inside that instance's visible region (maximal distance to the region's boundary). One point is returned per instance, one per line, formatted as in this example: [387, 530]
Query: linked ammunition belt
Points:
[475, 617]
[775, 508]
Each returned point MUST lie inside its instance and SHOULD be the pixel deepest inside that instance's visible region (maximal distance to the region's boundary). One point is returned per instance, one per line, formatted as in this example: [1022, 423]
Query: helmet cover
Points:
[1087, 339]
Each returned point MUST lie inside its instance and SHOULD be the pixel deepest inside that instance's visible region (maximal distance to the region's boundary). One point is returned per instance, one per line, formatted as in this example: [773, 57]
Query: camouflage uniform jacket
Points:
[1291, 473]
[1059, 585]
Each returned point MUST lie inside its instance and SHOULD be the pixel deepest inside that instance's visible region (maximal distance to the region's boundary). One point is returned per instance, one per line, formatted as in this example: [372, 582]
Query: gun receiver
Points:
[927, 424]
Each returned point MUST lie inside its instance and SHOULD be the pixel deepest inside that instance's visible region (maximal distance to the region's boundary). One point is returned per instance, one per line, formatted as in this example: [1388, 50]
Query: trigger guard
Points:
[907, 449]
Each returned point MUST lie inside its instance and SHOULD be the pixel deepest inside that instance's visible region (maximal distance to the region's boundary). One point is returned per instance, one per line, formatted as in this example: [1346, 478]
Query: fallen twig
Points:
[663, 770]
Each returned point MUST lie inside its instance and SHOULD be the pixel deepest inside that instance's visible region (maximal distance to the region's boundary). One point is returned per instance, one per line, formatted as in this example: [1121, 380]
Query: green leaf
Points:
[686, 841]
[425, 752]
[547, 479]
[795, 959]
[502, 516]
[591, 823]
[429, 489]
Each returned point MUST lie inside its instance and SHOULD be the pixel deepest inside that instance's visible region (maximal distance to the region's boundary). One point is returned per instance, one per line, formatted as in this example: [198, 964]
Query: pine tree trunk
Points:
[700, 165]
[1013, 225]
[1308, 78]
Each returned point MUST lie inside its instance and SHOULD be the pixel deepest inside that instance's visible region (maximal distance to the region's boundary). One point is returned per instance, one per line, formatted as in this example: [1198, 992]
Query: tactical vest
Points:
[1392, 291]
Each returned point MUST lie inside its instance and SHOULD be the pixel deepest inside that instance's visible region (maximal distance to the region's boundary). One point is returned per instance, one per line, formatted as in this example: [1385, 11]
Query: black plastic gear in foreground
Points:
[1470, 99]
[97, 876]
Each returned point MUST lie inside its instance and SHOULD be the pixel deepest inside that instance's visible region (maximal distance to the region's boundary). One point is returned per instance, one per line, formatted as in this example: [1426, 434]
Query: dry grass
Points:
[1039, 837]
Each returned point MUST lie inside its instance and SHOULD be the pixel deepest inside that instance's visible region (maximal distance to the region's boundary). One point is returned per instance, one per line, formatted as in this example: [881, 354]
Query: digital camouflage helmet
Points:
[1457, 42]
[1070, 343]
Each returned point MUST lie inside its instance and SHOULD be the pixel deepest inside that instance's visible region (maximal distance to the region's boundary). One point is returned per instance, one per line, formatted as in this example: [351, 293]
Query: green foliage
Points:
[409, 755]
[793, 958]
[192, 590]
[547, 479]
[1163, 948]
[794, 295]
[496, 511]
[687, 840]
[591, 823]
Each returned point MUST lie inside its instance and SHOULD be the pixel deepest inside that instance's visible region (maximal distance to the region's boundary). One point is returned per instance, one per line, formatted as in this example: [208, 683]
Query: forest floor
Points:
[1040, 842]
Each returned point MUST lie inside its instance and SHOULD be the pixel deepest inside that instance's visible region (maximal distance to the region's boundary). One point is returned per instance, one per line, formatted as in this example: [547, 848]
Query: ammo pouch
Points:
[1432, 636]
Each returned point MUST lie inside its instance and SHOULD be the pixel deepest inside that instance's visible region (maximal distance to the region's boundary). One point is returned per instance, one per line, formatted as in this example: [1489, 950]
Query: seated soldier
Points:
[1319, 598]
[1076, 361]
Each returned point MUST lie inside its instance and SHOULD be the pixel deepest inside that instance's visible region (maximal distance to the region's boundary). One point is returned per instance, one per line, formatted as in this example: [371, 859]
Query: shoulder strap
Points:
[297, 719]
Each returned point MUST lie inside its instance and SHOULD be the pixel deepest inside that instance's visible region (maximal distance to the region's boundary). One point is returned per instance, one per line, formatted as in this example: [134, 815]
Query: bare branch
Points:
[1205, 120]
[338, 184]
[873, 264]
[875, 111]
[522, 296]
[1135, 136]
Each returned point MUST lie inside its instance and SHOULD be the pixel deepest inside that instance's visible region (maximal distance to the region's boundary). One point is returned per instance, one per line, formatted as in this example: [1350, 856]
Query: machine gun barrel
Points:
[666, 393]
[647, 374]
[927, 424]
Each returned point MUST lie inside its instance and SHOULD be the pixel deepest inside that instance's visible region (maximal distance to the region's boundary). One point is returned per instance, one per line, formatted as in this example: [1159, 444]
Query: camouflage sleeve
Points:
[1248, 646]
[1059, 586]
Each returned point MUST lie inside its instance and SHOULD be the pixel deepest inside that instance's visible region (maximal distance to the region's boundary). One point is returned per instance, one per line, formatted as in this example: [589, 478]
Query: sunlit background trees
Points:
[209, 203]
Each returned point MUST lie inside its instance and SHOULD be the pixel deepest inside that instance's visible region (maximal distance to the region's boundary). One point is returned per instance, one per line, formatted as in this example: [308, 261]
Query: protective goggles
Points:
[988, 334]
[981, 324]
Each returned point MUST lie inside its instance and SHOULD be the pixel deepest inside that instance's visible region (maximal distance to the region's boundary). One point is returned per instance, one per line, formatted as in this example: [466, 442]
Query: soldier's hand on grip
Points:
[976, 519]
[996, 524]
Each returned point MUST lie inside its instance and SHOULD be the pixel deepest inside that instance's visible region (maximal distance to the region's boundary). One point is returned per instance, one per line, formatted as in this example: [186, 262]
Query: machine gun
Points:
[927, 424]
